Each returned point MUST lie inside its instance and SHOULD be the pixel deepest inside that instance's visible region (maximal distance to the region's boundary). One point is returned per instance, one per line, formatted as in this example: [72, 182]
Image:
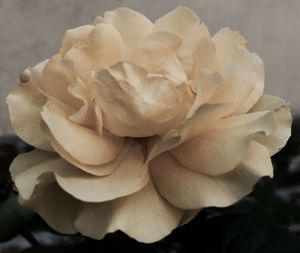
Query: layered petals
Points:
[25, 104]
[187, 189]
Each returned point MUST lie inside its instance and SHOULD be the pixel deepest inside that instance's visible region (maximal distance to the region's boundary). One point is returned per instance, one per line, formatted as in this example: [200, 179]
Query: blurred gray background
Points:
[31, 30]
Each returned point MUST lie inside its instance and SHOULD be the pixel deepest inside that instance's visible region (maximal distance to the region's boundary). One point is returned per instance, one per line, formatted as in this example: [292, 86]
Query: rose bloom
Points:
[139, 125]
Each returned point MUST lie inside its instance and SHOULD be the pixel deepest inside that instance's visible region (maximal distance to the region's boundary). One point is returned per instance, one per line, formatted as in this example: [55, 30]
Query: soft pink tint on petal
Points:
[187, 189]
[25, 104]
[144, 216]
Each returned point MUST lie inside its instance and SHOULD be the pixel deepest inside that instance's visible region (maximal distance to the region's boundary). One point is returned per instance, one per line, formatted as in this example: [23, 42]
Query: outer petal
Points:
[183, 22]
[133, 26]
[220, 149]
[74, 36]
[283, 117]
[55, 206]
[206, 116]
[190, 190]
[25, 104]
[130, 176]
[227, 43]
[145, 216]
[82, 143]
[243, 84]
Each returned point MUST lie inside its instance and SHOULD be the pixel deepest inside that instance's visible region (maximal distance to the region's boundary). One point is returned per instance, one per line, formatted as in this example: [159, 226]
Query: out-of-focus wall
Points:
[31, 30]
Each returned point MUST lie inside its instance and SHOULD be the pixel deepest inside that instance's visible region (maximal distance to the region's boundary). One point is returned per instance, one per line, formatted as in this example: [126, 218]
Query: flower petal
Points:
[155, 50]
[144, 216]
[32, 169]
[191, 190]
[57, 77]
[55, 206]
[25, 104]
[97, 170]
[183, 22]
[206, 116]
[133, 26]
[82, 143]
[145, 104]
[74, 36]
[129, 177]
[283, 117]
[220, 149]
[227, 43]
[103, 49]
[243, 82]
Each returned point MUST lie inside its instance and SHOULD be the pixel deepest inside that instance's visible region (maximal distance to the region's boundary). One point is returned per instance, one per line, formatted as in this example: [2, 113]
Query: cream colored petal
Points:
[55, 206]
[183, 22]
[85, 116]
[283, 117]
[57, 77]
[103, 49]
[135, 103]
[97, 170]
[227, 43]
[155, 50]
[25, 104]
[27, 160]
[172, 70]
[82, 143]
[74, 36]
[133, 26]
[32, 169]
[191, 190]
[131, 176]
[218, 151]
[243, 82]
[144, 216]
[204, 118]
[204, 85]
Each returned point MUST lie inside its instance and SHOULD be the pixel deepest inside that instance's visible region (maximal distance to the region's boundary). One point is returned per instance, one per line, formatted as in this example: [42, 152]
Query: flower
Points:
[138, 126]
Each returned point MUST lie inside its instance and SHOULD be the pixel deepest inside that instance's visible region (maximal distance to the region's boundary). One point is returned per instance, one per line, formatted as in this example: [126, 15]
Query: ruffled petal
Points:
[57, 77]
[55, 206]
[203, 119]
[156, 49]
[227, 43]
[25, 104]
[221, 148]
[276, 141]
[144, 216]
[32, 169]
[83, 144]
[97, 170]
[243, 82]
[131, 176]
[133, 26]
[145, 104]
[191, 190]
[74, 36]
[103, 49]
